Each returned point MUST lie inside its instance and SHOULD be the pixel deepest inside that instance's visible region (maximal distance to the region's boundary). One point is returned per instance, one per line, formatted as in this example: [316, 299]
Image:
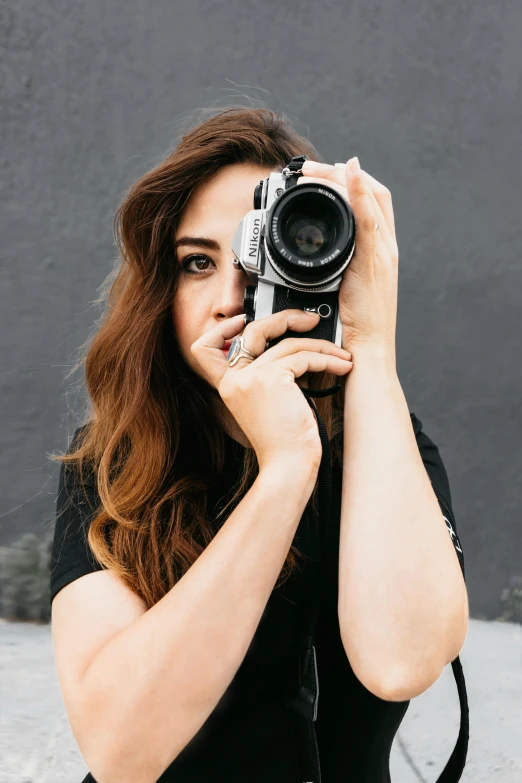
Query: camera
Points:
[295, 245]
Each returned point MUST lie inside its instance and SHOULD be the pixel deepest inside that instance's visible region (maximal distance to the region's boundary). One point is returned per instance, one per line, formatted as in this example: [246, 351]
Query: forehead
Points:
[227, 196]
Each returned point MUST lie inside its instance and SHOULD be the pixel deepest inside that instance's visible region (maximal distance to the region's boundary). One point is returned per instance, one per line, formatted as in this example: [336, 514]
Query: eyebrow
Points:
[209, 244]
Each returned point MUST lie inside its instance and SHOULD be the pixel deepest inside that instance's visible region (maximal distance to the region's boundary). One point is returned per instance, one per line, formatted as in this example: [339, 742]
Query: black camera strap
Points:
[303, 700]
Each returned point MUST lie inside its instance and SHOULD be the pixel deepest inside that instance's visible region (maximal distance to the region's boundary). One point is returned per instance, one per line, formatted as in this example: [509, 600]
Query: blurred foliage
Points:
[25, 570]
[511, 597]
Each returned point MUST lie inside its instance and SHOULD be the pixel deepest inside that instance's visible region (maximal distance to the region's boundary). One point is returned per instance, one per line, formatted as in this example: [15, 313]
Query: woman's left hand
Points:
[369, 287]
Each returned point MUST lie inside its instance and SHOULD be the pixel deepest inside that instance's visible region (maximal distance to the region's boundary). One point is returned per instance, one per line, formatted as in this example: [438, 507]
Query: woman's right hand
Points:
[262, 394]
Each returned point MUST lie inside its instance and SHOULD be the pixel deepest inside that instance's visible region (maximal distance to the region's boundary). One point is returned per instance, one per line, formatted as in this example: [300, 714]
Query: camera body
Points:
[294, 246]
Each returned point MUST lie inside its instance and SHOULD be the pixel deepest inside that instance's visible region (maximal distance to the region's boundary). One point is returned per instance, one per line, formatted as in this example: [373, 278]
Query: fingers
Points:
[257, 333]
[292, 345]
[208, 349]
[367, 210]
[362, 206]
[307, 361]
[383, 198]
[216, 338]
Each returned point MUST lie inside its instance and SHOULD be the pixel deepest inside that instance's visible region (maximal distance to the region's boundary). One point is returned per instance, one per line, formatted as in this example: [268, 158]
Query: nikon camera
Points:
[294, 246]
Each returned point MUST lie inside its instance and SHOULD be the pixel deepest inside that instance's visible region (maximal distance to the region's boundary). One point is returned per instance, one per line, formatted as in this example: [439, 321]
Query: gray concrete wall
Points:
[427, 94]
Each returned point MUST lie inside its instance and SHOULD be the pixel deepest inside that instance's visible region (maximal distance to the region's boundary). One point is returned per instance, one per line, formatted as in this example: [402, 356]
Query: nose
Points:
[229, 299]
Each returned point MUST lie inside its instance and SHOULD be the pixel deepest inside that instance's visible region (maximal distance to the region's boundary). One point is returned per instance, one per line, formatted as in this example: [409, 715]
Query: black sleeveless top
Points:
[250, 736]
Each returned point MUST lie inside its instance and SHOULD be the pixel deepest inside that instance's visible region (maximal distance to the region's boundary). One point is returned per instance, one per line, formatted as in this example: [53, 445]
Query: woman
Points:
[180, 566]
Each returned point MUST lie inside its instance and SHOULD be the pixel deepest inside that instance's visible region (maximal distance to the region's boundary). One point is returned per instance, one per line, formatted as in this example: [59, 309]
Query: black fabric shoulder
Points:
[440, 483]
[76, 507]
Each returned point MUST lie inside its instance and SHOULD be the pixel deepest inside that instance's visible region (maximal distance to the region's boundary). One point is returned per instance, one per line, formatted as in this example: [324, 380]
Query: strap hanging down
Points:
[303, 700]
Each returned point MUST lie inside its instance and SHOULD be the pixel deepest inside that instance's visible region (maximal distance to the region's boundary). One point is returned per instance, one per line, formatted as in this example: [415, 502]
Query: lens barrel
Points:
[310, 232]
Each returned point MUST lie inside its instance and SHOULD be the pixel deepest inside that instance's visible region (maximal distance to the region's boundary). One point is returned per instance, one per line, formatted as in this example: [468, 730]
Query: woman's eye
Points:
[198, 259]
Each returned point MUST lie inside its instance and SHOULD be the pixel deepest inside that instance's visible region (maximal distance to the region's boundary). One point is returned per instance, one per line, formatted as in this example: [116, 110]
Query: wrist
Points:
[378, 353]
[290, 469]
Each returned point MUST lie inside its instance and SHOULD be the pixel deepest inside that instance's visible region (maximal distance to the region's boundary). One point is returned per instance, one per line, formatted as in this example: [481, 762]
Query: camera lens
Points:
[308, 235]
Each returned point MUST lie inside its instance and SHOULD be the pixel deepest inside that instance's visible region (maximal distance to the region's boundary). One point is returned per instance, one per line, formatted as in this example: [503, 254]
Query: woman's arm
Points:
[403, 608]
[151, 688]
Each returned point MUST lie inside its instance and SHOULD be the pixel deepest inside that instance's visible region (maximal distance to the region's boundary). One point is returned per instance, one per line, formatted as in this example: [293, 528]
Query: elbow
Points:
[112, 761]
[113, 770]
[103, 766]
[402, 680]
[391, 682]
[401, 686]
[460, 630]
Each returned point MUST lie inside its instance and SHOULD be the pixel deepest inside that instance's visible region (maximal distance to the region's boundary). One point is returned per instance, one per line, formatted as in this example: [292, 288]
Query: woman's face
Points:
[210, 288]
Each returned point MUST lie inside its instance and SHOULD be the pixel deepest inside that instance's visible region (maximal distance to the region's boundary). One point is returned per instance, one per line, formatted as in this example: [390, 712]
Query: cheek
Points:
[185, 319]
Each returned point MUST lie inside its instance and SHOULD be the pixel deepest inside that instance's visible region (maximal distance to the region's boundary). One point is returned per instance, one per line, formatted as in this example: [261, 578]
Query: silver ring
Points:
[236, 350]
[376, 226]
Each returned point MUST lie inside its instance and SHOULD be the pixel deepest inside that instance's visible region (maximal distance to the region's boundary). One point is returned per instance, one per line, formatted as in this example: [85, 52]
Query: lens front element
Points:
[309, 234]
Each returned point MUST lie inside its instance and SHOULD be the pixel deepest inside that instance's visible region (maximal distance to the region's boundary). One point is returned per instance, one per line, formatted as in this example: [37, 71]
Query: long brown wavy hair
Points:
[152, 444]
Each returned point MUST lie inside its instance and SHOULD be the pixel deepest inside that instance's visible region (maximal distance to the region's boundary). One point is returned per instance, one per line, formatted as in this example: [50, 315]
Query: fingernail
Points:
[354, 165]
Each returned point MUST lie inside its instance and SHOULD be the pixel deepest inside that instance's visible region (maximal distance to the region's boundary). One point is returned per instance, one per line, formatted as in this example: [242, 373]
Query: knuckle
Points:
[317, 344]
[360, 189]
[265, 380]
[329, 344]
[243, 381]
[368, 222]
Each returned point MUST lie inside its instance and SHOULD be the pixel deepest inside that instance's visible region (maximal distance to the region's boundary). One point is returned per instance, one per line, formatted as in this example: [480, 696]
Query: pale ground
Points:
[37, 745]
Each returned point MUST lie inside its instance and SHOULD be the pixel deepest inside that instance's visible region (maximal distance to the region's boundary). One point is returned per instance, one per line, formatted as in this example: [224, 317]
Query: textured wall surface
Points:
[427, 94]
